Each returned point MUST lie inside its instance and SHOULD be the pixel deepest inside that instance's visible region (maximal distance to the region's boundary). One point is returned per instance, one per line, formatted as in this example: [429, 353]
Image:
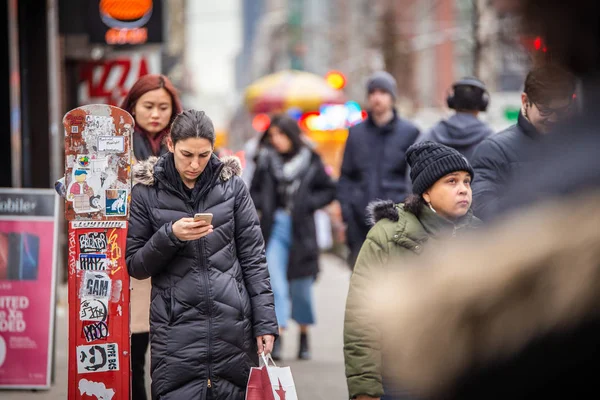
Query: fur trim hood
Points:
[489, 295]
[143, 171]
[382, 209]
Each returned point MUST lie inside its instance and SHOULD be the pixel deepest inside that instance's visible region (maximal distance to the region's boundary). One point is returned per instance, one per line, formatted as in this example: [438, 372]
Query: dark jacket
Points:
[495, 161]
[142, 150]
[373, 168]
[396, 236]
[316, 190]
[462, 131]
[210, 297]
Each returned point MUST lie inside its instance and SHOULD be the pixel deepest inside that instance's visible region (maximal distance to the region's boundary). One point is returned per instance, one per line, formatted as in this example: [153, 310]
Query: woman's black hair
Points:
[414, 204]
[289, 127]
[192, 124]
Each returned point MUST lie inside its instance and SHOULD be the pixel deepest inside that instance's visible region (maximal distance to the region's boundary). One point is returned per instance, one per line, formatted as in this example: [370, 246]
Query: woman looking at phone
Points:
[212, 308]
[153, 102]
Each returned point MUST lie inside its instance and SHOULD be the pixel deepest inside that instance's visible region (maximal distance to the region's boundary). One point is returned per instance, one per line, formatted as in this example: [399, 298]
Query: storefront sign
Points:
[125, 22]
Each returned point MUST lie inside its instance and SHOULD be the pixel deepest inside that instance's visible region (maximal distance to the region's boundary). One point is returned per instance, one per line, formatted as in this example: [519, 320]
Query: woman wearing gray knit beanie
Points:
[439, 208]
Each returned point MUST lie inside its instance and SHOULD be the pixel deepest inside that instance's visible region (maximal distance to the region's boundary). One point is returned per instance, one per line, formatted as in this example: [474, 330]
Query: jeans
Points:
[295, 295]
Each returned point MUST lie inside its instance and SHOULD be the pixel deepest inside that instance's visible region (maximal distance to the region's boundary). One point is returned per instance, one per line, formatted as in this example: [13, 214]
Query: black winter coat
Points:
[374, 167]
[210, 297]
[495, 162]
[316, 190]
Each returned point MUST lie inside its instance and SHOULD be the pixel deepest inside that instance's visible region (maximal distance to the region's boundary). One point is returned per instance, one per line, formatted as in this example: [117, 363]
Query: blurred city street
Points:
[319, 379]
[182, 140]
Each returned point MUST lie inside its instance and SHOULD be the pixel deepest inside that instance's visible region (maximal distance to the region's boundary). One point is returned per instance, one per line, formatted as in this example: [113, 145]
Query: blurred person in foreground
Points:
[515, 312]
[547, 99]
[289, 184]
[439, 208]
[153, 102]
[463, 131]
[212, 310]
[373, 165]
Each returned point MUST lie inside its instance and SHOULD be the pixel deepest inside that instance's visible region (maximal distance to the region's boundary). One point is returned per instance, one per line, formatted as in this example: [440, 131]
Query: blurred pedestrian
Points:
[546, 100]
[289, 184]
[153, 102]
[463, 131]
[515, 313]
[212, 308]
[373, 166]
[439, 208]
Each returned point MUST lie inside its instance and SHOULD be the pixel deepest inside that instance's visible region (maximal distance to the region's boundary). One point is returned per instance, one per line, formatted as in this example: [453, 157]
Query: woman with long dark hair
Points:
[212, 309]
[440, 207]
[153, 102]
[290, 183]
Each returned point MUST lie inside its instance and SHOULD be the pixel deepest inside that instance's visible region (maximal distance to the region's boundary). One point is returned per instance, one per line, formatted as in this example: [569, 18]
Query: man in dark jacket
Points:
[463, 131]
[547, 99]
[374, 166]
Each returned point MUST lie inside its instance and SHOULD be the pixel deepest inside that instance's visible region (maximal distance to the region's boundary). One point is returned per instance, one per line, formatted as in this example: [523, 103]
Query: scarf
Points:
[155, 141]
[288, 173]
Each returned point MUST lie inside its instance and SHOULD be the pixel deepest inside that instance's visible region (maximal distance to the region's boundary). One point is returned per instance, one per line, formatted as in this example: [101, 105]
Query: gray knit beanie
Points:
[383, 81]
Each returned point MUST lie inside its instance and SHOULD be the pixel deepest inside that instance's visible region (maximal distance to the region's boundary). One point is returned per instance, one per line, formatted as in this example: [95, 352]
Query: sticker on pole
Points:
[116, 203]
[93, 242]
[93, 262]
[97, 358]
[95, 331]
[96, 285]
[93, 310]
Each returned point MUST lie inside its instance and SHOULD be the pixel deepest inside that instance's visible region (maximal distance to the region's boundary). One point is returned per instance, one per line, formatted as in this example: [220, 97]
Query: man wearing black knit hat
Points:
[439, 208]
[374, 166]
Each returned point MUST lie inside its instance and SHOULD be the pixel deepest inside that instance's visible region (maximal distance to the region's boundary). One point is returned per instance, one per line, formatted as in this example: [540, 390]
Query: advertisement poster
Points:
[27, 286]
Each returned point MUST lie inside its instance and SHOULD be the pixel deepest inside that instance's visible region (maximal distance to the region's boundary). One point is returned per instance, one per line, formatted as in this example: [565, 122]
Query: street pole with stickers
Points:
[96, 188]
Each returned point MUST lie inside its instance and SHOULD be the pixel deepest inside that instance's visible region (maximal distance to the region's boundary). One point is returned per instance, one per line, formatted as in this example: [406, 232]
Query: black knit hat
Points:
[430, 161]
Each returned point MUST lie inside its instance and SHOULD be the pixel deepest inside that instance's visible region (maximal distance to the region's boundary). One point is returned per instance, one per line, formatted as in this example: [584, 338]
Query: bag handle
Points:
[266, 358]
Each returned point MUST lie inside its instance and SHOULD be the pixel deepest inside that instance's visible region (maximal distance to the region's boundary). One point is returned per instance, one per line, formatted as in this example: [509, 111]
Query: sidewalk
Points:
[319, 379]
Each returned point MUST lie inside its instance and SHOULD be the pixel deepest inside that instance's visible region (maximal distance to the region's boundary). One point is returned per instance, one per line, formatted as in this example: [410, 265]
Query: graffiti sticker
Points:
[96, 285]
[93, 310]
[93, 262]
[95, 331]
[93, 242]
[116, 203]
[97, 358]
[98, 224]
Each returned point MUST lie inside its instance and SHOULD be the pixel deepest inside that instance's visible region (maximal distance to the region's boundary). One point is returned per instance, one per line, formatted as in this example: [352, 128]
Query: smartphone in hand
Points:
[207, 217]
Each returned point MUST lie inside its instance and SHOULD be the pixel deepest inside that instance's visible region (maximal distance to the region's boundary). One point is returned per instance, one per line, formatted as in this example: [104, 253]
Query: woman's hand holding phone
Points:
[187, 229]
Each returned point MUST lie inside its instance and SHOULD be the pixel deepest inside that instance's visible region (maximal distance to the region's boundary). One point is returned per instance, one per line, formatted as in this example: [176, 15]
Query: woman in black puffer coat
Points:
[212, 306]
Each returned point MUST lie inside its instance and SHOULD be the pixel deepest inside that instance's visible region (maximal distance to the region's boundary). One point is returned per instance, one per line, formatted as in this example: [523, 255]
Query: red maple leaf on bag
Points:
[280, 392]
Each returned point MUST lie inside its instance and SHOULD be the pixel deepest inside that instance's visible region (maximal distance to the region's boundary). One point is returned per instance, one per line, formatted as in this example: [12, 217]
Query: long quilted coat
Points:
[210, 297]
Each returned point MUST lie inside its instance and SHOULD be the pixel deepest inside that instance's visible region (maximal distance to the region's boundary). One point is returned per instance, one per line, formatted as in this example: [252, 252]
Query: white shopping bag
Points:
[271, 382]
[324, 232]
